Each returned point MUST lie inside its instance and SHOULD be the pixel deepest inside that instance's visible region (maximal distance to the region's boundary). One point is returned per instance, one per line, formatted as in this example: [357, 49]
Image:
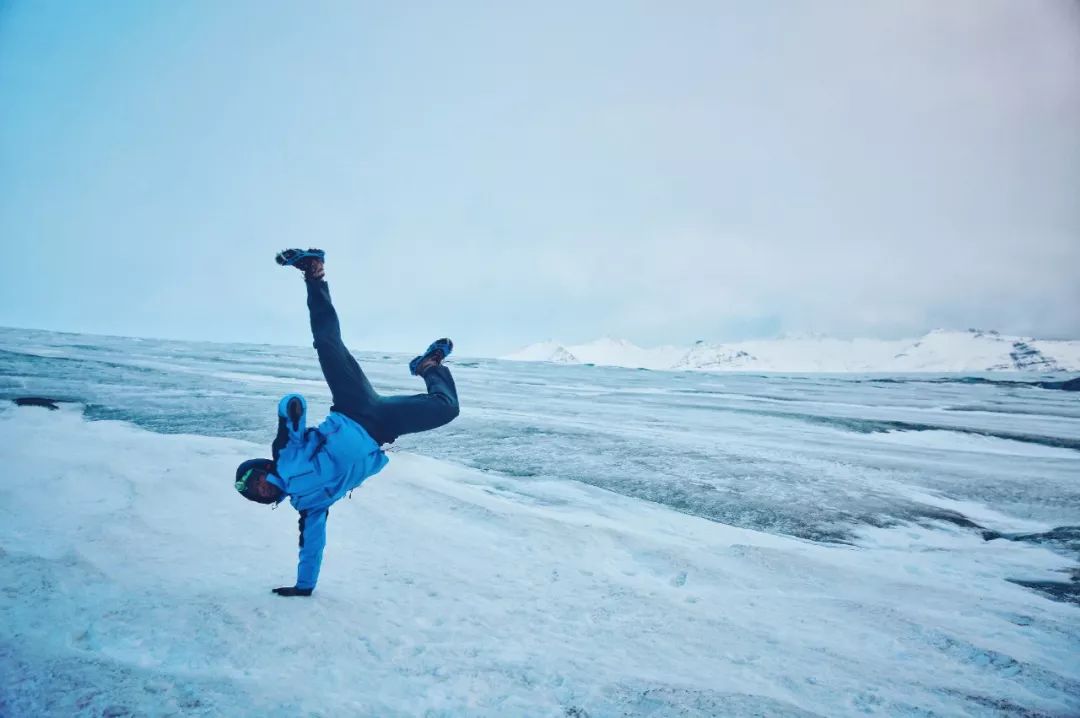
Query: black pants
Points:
[384, 417]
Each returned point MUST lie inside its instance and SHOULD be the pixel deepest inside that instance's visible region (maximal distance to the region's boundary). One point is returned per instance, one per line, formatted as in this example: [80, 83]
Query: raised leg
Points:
[397, 415]
[352, 392]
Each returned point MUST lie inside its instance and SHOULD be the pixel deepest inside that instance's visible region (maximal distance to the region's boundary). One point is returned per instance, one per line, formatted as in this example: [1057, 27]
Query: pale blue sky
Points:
[508, 172]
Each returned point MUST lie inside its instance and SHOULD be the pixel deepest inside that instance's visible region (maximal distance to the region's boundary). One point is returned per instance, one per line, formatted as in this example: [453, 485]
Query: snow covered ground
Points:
[137, 584]
[580, 542]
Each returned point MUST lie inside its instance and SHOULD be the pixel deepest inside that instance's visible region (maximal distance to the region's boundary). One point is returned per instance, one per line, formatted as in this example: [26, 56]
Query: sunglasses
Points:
[242, 482]
[249, 477]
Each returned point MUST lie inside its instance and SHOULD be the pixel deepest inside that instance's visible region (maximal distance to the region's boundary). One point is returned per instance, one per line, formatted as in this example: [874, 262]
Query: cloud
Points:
[708, 170]
[889, 168]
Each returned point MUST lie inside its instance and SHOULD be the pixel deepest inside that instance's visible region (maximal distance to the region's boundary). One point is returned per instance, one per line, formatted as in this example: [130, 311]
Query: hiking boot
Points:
[439, 350]
[308, 261]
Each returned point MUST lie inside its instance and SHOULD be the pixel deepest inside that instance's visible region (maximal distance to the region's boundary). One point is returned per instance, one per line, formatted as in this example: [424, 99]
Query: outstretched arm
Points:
[312, 542]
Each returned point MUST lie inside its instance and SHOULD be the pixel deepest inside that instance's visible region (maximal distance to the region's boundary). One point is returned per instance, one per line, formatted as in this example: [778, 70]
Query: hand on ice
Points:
[292, 591]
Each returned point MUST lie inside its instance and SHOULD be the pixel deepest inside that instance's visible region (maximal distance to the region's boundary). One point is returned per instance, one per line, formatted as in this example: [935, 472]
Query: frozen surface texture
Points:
[582, 541]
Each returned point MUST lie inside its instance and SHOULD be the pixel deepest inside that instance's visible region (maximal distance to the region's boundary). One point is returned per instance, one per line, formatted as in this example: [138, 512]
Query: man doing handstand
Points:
[316, 467]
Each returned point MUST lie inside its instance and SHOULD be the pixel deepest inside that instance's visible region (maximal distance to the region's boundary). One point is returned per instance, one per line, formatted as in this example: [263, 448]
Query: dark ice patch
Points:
[37, 401]
[1070, 385]
[671, 700]
[1065, 539]
[952, 517]
[1067, 385]
[1064, 591]
[878, 426]
[1000, 706]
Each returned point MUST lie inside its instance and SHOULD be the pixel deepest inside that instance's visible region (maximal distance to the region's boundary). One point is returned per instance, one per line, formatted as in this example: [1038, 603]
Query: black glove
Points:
[292, 591]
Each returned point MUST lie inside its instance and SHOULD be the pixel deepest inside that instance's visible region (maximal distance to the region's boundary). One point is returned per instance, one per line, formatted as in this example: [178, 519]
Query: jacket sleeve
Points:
[312, 541]
[287, 433]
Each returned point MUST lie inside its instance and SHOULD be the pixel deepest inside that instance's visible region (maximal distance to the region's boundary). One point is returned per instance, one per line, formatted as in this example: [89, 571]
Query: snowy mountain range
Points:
[940, 350]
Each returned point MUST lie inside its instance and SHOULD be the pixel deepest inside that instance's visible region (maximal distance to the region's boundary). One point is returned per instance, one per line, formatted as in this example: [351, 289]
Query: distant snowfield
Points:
[937, 351]
[136, 582]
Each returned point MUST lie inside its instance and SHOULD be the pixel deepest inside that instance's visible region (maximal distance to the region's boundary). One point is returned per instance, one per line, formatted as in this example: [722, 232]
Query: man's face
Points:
[263, 488]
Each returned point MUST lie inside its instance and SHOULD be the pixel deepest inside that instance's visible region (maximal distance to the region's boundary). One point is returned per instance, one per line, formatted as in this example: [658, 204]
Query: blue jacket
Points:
[315, 468]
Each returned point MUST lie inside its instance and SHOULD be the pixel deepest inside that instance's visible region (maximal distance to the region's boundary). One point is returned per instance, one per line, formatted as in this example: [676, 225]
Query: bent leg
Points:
[352, 392]
[397, 415]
